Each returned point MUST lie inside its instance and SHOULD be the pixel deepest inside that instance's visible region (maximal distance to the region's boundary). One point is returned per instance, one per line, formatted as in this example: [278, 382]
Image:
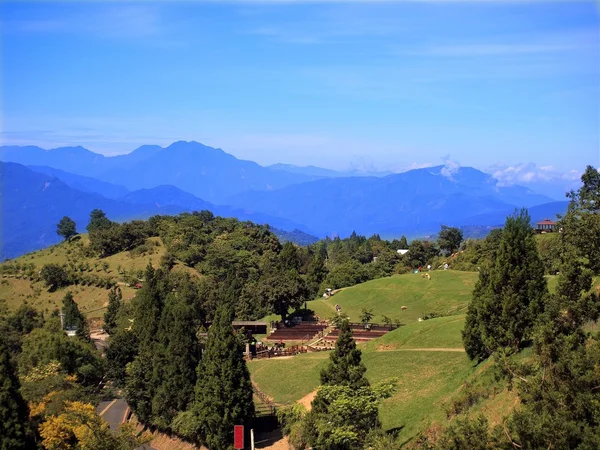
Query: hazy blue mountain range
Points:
[420, 199]
[187, 176]
[82, 183]
[32, 203]
[319, 172]
[203, 171]
[171, 196]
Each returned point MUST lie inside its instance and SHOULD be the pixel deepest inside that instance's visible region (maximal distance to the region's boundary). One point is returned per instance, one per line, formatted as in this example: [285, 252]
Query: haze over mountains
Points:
[188, 176]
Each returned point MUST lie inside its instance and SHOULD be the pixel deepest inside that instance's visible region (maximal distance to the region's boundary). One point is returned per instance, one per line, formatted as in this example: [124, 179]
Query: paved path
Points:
[114, 412]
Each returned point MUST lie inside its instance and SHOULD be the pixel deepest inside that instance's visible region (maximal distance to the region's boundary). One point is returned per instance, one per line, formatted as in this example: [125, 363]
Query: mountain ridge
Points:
[32, 203]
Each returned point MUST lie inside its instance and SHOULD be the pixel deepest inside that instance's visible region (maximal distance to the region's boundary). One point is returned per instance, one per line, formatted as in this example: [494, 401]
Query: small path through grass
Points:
[306, 401]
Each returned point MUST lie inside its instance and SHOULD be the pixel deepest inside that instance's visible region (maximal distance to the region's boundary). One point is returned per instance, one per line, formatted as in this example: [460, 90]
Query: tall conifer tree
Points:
[177, 355]
[112, 311]
[345, 366]
[509, 296]
[148, 306]
[72, 316]
[223, 390]
[14, 413]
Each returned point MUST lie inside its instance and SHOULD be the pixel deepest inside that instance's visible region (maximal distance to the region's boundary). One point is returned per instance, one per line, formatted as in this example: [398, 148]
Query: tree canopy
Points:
[449, 239]
[66, 228]
[223, 389]
[509, 295]
[345, 367]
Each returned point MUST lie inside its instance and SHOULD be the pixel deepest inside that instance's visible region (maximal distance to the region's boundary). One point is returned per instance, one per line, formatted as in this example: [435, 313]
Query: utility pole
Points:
[252, 438]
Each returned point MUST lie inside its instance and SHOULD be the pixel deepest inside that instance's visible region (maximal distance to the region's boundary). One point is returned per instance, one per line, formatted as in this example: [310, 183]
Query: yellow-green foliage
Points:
[24, 285]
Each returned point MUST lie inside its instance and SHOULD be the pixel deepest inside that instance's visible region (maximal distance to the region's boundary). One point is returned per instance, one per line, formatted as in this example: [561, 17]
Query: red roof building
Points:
[545, 226]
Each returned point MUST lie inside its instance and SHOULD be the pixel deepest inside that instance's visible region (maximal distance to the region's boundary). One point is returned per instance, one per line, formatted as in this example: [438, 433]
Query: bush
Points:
[469, 396]
[55, 276]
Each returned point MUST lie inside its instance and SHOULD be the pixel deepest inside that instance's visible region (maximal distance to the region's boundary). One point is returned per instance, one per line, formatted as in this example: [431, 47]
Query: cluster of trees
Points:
[357, 259]
[227, 249]
[512, 308]
[49, 385]
[108, 237]
[175, 380]
[56, 276]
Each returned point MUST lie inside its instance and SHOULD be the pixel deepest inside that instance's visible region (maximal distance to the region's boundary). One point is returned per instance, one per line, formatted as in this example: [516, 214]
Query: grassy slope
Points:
[91, 299]
[427, 378]
[447, 292]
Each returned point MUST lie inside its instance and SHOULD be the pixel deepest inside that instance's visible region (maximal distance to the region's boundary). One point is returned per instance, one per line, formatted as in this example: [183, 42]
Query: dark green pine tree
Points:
[147, 310]
[345, 365]
[112, 311]
[559, 404]
[177, 355]
[14, 413]
[510, 296]
[72, 317]
[223, 390]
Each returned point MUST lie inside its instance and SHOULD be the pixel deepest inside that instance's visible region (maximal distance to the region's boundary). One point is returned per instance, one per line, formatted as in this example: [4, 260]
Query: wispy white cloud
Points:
[528, 173]
[450, 167]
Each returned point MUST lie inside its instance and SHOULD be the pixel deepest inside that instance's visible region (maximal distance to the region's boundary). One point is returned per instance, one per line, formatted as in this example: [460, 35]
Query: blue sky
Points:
[512, 87]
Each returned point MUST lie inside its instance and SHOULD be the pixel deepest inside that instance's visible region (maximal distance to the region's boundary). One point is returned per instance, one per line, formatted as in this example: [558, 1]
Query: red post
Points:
[238, 437]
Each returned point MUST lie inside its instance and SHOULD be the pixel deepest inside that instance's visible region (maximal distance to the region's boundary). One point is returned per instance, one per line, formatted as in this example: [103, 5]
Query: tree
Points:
[98, 221]
[72, 317]
[366, 315]
[112, 311]
[122, 350]
[421, 252]
[345, 366]
[66, 228]
[177, 355]
[76, 356]
[223, 389]
[80, 427]
[14, 413]
[559, 402]
[54, 276]
[343, 417]
[508, 296]
[449, 239]
[581, 225]
[147, 310]
[466, 434]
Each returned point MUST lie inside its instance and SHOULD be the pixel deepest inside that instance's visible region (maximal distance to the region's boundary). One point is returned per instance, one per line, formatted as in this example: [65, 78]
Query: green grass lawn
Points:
[428, 379]
[443, 332]
[448, 292]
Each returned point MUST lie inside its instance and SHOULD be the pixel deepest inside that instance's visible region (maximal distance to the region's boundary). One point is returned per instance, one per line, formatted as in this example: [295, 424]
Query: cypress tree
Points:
[148, 306]
[559, 403]
[112, 311]
[509, 296]
[177, 355]
[73, 317]
[14, 413]
[345, 365]
[223, 390]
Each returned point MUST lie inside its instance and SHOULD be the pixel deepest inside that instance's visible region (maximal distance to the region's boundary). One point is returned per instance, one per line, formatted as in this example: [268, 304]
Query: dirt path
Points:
[432, 349]
[307, 400]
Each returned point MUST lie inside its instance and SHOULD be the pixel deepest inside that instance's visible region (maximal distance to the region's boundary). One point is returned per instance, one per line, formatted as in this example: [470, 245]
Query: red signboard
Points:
[238, 437]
